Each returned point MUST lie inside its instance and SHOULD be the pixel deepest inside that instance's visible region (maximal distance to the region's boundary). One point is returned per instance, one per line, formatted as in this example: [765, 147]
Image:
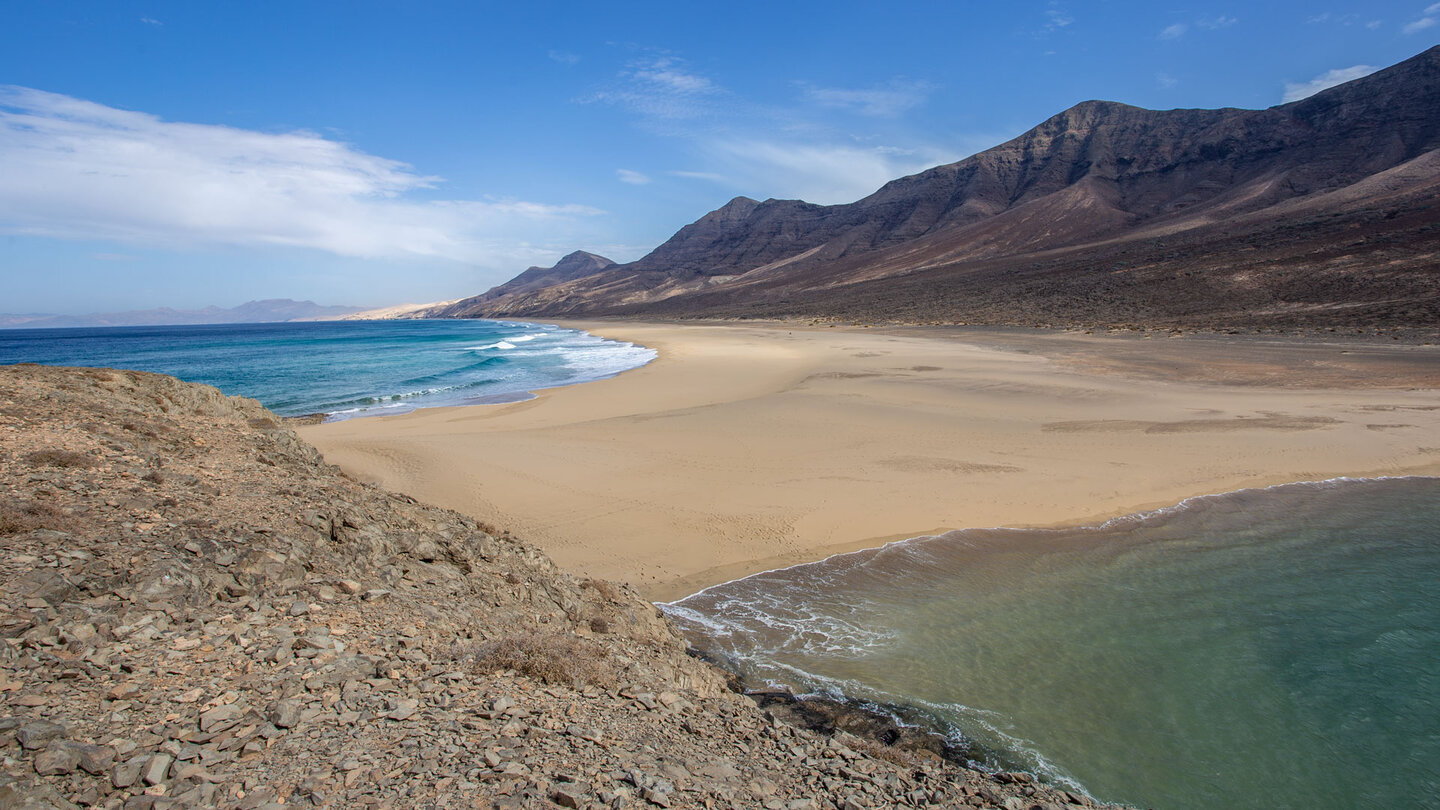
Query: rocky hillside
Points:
[577, 265]
[198, 611]
[1316, 214]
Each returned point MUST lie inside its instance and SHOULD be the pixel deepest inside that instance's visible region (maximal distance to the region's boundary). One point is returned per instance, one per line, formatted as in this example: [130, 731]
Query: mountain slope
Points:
[579, 264]
[1018, 233]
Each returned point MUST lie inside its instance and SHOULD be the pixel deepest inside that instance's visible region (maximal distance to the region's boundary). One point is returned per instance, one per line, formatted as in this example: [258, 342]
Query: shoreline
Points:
[747, 447]
[1141, 515]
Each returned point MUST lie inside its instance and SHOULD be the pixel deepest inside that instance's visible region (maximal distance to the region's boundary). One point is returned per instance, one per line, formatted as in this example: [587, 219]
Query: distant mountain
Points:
[1320, 213]
[397, 312]
[268, 311]
[575, 266]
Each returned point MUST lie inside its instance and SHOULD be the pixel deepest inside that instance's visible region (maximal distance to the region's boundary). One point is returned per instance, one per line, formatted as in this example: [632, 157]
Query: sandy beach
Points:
[746, 447]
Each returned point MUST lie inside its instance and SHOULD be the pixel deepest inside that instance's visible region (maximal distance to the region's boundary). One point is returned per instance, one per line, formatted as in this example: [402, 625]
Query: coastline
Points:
[747, 447]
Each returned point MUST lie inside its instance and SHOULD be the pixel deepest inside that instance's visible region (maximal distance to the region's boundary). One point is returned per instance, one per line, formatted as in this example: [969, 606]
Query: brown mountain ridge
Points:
[1318, 214]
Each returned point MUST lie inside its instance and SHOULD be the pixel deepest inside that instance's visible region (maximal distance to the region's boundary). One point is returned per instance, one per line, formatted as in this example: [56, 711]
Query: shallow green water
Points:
[1275, 648]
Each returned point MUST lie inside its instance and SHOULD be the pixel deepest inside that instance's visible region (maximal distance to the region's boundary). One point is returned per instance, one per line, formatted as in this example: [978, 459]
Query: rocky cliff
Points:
[1316, 214]
[198, 611]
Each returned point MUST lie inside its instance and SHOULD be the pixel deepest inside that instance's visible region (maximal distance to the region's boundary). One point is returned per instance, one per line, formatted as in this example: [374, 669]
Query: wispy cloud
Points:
[564, 57]
[1215, 23]
[817, 150]
[886, 101]
[711, 176]
[1180, 29]
[75, 169]
[1057, 17]
[1294, 91]
[632, 177]
[818, 173]
[1165, 80]
[1429, 19]
[661, 87]
[150, 21]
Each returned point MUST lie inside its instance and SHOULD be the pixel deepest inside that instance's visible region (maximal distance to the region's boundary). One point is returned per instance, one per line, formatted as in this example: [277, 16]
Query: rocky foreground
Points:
[198, 611]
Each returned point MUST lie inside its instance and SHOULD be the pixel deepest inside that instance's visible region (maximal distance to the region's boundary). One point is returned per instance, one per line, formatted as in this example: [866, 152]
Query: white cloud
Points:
[711, 176]
[75, 169]
[1294, 91]
[1180, 29]
[1213, 23]
[661, 88]
[816, 173]
[150, 21]
[634, 178]
[1165, 80]
[564, 57]
[882, 102]
[1429, 19]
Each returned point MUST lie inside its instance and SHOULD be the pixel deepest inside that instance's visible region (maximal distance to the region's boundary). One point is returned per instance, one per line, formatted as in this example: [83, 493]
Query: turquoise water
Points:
[1273, 648]
[345, 368]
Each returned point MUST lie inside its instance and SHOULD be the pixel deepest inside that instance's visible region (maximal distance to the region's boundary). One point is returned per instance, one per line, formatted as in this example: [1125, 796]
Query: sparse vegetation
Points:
[551, 658]
[27, 516]
[61, 458]
[607, 590]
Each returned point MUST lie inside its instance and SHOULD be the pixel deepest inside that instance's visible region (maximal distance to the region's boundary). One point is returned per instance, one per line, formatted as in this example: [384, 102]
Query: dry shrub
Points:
[607, 590]
[903, 757]
[599, 624]
[142, 429]
[27, 516]
[547, 657]
[61, 458]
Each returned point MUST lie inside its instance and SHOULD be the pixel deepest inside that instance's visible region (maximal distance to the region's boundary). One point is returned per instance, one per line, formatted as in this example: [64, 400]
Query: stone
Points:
[285, 713]
[567, 796]
[125, 691]
[38, 734]
[156, 769]
[125, 774]
[93, 759]
[221, 717]
[57, 759]
[404, 708]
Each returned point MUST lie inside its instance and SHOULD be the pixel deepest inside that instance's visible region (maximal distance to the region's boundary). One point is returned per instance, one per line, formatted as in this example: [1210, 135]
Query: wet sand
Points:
[746, 447]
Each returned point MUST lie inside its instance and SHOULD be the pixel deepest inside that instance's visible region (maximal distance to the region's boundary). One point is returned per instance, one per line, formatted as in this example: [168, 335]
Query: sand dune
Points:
[745, 447]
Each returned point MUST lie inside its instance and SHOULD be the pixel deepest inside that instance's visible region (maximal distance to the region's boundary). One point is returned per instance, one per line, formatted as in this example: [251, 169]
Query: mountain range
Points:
[1322, 213]
[271, 310]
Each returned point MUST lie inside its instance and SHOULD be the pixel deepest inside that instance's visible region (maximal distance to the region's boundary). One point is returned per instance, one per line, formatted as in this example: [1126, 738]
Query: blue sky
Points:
[371, 153]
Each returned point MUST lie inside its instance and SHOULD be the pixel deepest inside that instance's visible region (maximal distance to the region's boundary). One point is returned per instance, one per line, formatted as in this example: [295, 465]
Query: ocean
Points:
[344, 368]
[1274, 648]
